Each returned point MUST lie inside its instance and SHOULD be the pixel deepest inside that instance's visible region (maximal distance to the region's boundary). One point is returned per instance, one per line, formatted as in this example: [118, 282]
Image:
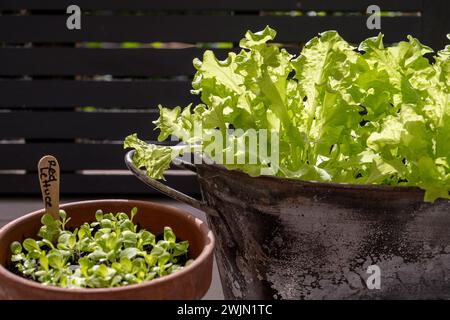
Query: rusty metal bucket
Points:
[289, 239]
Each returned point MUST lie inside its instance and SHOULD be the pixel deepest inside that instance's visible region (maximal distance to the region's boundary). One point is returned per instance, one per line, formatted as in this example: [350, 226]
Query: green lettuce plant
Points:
[366, 115]
[109, 252]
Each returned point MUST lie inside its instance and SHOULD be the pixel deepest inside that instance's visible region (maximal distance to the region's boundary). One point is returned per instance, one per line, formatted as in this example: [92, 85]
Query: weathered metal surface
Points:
[289, 239]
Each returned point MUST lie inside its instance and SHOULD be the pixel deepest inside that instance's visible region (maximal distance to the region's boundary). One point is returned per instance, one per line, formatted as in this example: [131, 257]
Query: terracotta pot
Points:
[190, 283]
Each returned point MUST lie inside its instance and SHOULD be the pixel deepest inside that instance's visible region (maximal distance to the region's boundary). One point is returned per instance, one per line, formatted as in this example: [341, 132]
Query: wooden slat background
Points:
[69, 93]
[49, 74]
[82, 184]
[247, 5]
[111, 155]
[76, 61]
[72, 124]
[46, 28]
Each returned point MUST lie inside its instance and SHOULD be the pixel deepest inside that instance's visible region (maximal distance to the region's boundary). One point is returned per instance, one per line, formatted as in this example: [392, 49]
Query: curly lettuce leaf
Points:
[153, 158]
[366, 115]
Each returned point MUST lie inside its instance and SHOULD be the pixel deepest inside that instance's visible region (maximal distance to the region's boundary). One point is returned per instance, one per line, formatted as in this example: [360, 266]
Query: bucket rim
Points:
[317, 184]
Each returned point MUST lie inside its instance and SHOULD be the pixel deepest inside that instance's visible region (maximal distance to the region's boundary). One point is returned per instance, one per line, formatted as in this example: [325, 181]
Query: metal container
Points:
[290, 239]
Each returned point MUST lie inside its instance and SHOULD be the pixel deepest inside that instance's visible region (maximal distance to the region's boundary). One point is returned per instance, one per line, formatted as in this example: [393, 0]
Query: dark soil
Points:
[95, 229]
[147, 248]
[11, 267]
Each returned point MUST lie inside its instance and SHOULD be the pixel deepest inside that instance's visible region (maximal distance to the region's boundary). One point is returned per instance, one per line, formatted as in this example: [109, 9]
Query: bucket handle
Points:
[161, 187]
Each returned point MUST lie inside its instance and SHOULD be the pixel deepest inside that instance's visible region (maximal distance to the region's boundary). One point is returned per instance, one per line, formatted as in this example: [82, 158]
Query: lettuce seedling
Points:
[108, 252]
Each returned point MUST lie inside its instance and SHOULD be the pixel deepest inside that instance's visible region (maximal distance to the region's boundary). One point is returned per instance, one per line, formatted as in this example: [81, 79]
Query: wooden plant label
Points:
[49, 176]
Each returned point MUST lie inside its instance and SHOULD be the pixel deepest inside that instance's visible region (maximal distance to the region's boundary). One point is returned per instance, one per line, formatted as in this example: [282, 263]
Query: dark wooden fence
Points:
[77, 93]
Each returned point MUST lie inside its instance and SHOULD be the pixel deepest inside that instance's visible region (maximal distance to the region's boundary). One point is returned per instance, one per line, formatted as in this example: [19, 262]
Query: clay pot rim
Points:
[206, 251]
